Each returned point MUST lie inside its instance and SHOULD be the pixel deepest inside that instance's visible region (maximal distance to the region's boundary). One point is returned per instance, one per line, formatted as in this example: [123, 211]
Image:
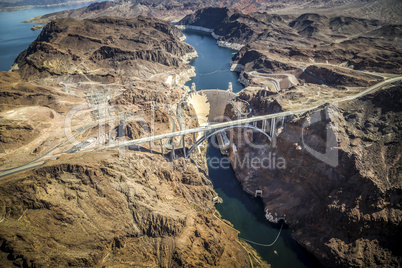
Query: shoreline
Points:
[234, 46]
[19, 8]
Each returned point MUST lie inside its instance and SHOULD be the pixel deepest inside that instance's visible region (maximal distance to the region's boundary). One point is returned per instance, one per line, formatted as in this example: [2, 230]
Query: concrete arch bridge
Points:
[210, 105]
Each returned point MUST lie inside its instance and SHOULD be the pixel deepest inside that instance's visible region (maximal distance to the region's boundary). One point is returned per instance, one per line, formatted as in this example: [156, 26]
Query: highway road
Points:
[373, 88]
[245, 120]
[375, 75]
[29, 165]
[5, 172]
[21, 168]
[207, 128]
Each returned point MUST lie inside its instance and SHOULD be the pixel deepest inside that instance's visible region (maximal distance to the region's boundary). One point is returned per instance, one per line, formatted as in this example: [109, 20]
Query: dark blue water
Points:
[244, 212]
[15, 36]
[212, 65]
[247, 215]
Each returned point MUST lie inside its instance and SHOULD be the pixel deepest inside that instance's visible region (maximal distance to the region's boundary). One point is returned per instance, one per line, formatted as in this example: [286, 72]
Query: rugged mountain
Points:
[8, 5]
[79, 72]
[352, 55]
[386, 10]
[232, 26]
[99, 209]
[82, 65]
[107, 47]
[340, 183]
[27, 112]
[125, 71]
[286, 44]
[343, 208]
[76, 88]
[322, 27]
[308, 29]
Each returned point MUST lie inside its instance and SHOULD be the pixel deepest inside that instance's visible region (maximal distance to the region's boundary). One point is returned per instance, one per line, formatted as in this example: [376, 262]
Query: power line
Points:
[264, 245]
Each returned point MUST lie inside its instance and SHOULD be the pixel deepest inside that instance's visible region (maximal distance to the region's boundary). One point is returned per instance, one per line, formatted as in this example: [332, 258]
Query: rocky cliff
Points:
[8, 5]
[98, 209]
[104, 49]
[386, 10]
[83, 85]
[83, 71]
[340, 183]
[343, 206]
[278, 43]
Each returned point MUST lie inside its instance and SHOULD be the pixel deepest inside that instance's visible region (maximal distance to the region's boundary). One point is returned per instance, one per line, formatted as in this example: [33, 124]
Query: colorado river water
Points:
[212, 69]
[244, 212]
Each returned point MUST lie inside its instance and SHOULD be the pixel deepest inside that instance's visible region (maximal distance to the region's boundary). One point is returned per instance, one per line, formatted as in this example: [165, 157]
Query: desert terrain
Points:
[115, 71]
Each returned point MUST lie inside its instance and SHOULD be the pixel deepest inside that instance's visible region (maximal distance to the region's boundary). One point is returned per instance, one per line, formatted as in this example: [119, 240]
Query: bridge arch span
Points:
[205, 137]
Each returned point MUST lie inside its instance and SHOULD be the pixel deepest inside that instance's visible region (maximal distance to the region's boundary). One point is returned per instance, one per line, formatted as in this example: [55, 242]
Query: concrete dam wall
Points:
[210, 104]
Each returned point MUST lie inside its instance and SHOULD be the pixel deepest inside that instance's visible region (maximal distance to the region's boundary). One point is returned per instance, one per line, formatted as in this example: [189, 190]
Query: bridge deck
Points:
[243, 120]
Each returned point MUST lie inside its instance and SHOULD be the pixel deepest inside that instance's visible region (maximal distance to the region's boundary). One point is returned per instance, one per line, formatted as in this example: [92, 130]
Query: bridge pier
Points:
[267, 125]
[162, 146]
[184, 146]
[172, 155]
[273, 128]
[264, 125]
